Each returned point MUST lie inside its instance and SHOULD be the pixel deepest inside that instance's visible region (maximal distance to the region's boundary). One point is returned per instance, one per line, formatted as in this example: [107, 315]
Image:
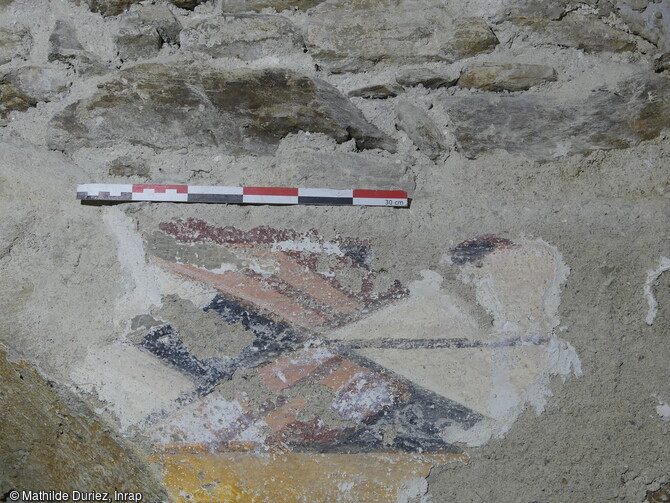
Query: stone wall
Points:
[504, 338]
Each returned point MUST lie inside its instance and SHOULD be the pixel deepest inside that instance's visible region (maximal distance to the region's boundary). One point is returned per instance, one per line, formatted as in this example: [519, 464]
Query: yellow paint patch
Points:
[293, 477]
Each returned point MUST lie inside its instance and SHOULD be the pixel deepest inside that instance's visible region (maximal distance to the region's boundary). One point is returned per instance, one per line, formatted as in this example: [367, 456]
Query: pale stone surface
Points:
[428, 78]
[618, 118]
[243, 36]
[13, 98]
[64, 46]
[259, 5]
[377, 91]
[115, 7]
[650, 20]
[421, 129]
[537, 9]
[638, 5]
[15, 42]
[581, 32]
[187, 4]
[505, 77]
[355, 36]
[143, 31]
[128, 166]
[240, 110]
[41, 82]
[109, 7]
[23, 87]
[662, 63]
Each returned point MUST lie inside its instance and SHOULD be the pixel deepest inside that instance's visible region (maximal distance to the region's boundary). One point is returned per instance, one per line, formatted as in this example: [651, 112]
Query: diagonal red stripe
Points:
[270, 191]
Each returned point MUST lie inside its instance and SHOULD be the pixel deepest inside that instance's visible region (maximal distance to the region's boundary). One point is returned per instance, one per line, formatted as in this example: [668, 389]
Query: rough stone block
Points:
[23, 87]
[15, 42]
[259, 5]
[428, 78]
[41, 82]
[348, 36]
[64, 46]
[543, 128]
[128, 166]
[421, 129]
[241, 110]
[116, 7]
[581, 32]
[650, 20]
[12, 98]
[377, 91]
[143, 31]
[243, 36]
[505, 77]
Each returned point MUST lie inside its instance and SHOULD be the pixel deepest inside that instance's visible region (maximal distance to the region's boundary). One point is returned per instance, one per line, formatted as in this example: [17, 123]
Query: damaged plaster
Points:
[652, 276]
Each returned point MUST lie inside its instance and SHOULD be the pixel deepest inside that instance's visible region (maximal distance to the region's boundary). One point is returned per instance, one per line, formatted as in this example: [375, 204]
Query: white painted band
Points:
[169, 195]
[326, 192]
[252, 198]
[212, 189]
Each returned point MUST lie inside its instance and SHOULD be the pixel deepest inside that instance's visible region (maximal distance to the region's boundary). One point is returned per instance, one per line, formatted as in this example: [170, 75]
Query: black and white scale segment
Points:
[240, 195]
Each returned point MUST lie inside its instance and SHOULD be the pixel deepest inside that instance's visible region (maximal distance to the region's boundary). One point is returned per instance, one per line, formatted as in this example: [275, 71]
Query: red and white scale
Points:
[239, 195]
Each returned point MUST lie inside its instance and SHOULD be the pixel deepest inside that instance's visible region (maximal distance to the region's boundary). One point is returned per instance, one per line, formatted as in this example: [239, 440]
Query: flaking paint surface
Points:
[343, 387]
[293, 477]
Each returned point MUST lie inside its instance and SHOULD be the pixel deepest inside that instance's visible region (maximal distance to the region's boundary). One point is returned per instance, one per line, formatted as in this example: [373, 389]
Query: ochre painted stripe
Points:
[270, 191]
[247, 477]
[249, 289]
[309, 282]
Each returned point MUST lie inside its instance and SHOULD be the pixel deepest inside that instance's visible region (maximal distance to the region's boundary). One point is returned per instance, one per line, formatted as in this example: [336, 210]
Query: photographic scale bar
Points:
[239, 195]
